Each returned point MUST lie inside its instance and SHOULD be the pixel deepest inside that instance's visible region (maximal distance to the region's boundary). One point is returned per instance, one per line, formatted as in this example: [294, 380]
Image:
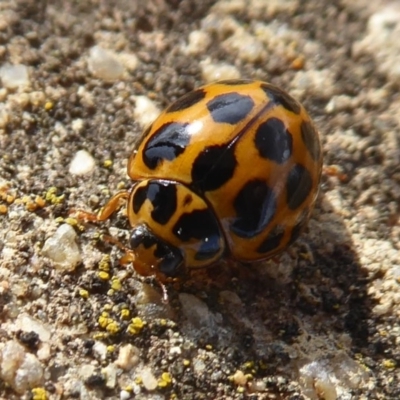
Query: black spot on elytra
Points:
[167, 143]
[163, 197]
[310, 139]
[272, 241]
[141, 235]
[280, 97]
[213, 167]
[298, 186]
[208, 250]
[273, 141]
[234, 82]
[255, 206]
[186, 101]
[230, 108]
[200, 225]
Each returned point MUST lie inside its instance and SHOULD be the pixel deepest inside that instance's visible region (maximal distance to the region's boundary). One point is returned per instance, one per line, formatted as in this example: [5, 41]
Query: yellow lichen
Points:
[125, 314]
[39, 394]
[83, 293]
[116, 284]
[113, 327]
[48, 105]
[165, 380]
[104, 264]
[103, 275]
[135, 326]
[389, 364]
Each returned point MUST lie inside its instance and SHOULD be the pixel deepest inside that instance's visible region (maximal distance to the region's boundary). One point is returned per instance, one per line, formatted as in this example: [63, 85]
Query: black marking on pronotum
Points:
[298, 186]
[167, 143]
[255, 206]
[230, 108]
[310, 139]
[280, 97]
[200, 225]
[139, 197]
[170, 257]
[273, 141]
[141, 235]
[213, 167]
[188, 100]
[163, 197]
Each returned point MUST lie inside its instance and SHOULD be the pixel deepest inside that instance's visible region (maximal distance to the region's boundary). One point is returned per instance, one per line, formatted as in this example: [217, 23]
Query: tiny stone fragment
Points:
[149, 380]
[62, 249]
[239, 378]
[14, 76]
[82, 164]
[128, 357]
[18, 368]
[146, 111]
[104, 64]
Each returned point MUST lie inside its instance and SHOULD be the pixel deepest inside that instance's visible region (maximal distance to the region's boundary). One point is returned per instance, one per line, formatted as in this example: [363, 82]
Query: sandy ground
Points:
[80, 80]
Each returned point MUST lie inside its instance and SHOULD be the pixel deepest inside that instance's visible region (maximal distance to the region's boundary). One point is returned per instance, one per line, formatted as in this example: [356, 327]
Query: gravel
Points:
[78, 85]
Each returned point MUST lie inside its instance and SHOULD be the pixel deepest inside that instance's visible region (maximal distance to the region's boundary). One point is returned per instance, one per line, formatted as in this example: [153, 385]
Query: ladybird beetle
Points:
[230, 169]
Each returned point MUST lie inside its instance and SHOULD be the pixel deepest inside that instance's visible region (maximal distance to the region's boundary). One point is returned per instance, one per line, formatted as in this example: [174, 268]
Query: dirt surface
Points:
[319, 322]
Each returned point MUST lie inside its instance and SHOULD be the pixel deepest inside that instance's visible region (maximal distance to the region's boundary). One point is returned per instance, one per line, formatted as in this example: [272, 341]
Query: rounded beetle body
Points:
[230, 168]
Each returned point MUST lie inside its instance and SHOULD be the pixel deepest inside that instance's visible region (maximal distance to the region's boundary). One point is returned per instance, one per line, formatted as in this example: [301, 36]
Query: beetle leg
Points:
[105, 212]
[112, 205]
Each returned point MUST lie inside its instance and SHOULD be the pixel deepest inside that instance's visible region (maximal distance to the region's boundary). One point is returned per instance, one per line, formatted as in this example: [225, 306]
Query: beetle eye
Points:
[167, 259]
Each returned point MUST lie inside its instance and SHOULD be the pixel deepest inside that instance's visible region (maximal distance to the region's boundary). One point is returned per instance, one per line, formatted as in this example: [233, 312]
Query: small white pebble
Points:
[29, 374]
[146, 111]
[217, 71]
[77, 125]
[104, 64]
[20, 369]
[148, 379]
[100, 350]
[110, 373]
[124, 395]
[86, 371]
[245, 46]
[239, 378]
[199, 366]
[129, 60]
[44, 352]
[14, 76]
[198, 42]
[128, 357]
[82, 163]
[175, 350]
[62, 249]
